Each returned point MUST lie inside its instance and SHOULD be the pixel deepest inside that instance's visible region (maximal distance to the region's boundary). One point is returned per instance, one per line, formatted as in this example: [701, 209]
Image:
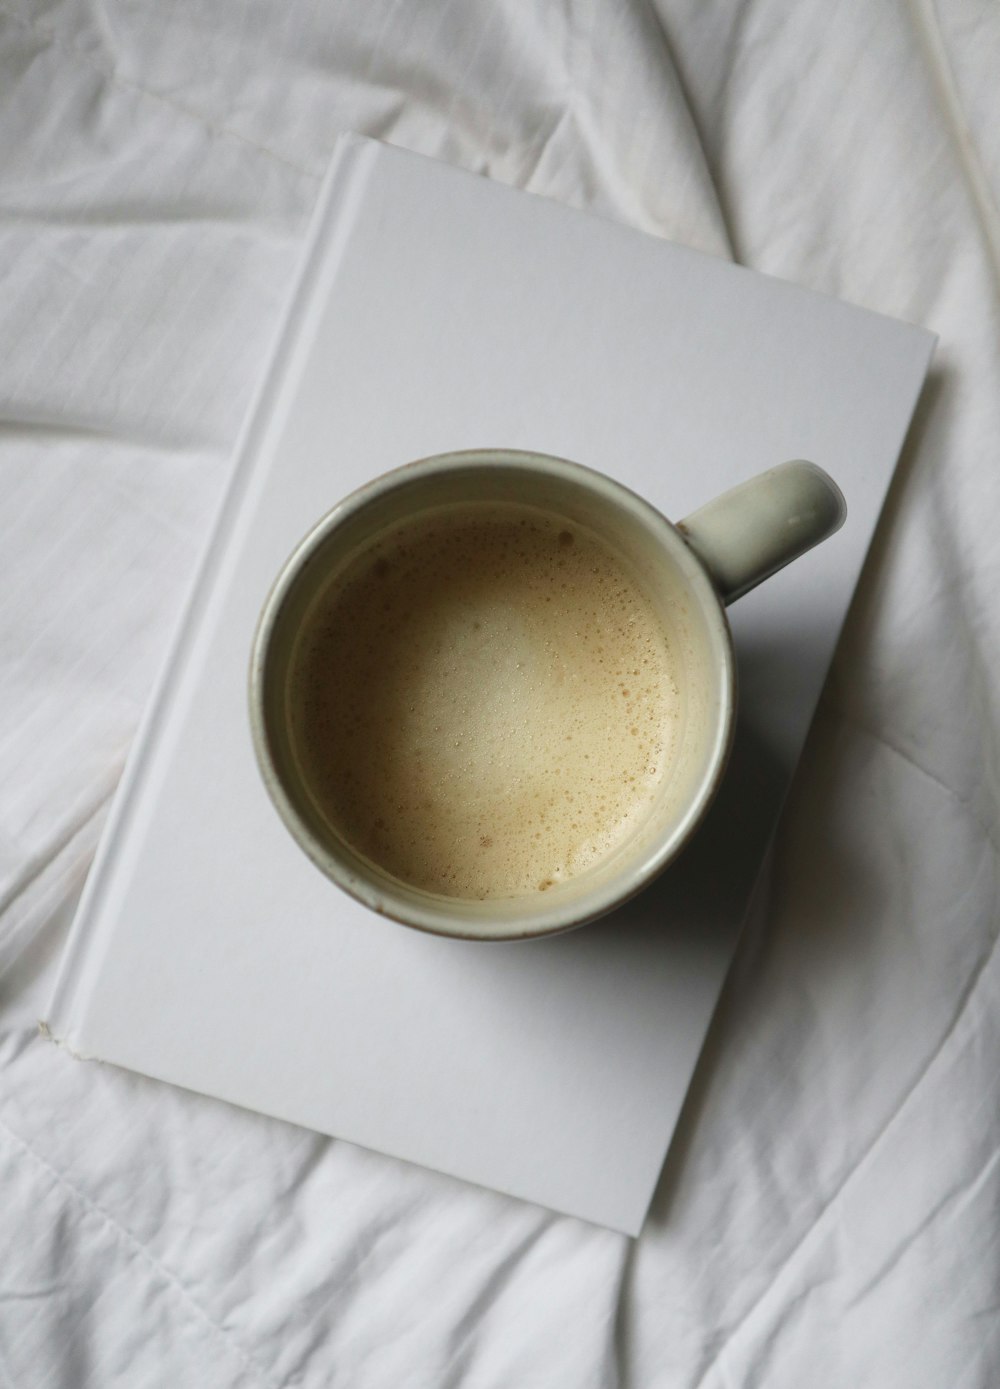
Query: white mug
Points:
[697, 566]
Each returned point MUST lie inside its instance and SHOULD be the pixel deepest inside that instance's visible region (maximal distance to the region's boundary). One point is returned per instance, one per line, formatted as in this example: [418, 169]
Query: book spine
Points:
[93, 925]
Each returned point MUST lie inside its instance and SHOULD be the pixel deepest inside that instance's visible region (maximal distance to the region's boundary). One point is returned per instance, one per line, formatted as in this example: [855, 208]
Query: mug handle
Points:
[752, 531]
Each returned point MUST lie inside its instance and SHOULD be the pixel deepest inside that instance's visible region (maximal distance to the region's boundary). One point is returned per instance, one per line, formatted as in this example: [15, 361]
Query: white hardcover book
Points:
[436, 311]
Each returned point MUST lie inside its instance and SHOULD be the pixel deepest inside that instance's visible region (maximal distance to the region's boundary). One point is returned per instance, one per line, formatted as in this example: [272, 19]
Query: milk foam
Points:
[484, 702]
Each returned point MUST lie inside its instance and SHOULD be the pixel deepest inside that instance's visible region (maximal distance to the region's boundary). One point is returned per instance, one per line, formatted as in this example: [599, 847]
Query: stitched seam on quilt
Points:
[126, 83]
[137, 1247]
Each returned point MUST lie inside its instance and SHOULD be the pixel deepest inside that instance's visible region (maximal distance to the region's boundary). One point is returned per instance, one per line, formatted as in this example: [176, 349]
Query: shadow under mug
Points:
[689, 570]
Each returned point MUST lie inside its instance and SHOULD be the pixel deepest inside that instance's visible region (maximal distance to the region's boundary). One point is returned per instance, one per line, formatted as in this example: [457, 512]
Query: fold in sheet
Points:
[827, 1216]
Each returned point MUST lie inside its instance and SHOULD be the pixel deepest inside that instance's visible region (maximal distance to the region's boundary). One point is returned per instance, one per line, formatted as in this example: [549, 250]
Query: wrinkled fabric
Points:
[828, 1214]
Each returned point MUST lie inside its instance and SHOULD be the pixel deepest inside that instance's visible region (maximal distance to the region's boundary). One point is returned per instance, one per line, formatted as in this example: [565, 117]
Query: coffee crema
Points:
[484, 701]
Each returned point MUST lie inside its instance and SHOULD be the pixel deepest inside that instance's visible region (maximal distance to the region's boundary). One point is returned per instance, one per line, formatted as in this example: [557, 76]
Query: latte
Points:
[484, 702]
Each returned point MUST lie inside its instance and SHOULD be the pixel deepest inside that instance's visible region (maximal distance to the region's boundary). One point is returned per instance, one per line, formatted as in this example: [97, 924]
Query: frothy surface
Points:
[484, 702]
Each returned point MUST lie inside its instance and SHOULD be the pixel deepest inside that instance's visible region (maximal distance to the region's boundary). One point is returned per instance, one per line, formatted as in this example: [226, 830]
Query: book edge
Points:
[332, 218]
[929, 335]
[922, 362]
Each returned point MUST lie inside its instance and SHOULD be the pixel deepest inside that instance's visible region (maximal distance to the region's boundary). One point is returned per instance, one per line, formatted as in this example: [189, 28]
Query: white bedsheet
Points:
[828, 1215]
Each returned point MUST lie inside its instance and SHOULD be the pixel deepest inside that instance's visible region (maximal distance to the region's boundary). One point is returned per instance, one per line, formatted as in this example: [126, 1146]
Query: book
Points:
[436, 310]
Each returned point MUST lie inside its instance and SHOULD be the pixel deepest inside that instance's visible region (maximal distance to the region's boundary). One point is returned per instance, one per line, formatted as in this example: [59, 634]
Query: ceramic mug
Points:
[694, 567]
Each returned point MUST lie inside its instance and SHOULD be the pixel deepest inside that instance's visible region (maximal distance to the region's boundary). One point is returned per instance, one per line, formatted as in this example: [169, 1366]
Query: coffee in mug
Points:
[492, 693]
[485, 701]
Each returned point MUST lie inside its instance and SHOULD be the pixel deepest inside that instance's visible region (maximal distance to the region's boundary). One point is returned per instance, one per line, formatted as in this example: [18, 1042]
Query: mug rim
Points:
[619, 889]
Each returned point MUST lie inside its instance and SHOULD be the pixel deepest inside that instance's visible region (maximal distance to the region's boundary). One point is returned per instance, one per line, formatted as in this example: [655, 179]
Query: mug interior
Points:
[672, 580]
